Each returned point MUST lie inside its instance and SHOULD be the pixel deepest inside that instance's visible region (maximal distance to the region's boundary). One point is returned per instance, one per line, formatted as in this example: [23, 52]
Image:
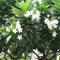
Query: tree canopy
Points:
[28, 25]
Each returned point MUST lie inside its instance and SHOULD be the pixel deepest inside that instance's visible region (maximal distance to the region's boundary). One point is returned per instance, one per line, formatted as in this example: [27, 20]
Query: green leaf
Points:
[17, 11]
[56, 2]
[42, 7]
[3, 28]
[23, 6]
[56, 6]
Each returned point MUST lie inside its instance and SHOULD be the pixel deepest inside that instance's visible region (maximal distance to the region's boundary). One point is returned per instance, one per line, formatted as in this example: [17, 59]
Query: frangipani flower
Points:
[17, 28]
[51, 24]
[54, 34]
[34, 14]
[19, 37]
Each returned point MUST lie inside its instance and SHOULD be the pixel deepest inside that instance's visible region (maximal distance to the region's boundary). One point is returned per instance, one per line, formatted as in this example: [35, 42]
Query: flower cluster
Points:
[18, 27]
[37, 52]
[34, 14]
[53, 24]
[54, 34]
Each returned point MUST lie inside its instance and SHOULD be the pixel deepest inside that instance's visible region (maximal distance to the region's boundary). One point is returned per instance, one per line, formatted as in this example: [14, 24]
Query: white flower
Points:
[37, 52]
[8, 51]
[28, 13]
[17, 22]
[18, 27]
[7, 29]
[36, 16]
[54, 34]
[8, 38]
[54, 23]
[58, 57]
[31, 12]
[14, 30]
[33, 17]
[51, 24]
[19, 37]
[48, 15]
[46, 21]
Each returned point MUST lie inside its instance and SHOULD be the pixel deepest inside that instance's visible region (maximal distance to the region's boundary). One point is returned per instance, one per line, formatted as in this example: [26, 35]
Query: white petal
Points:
[14, 30]
[7, 29]
[8, 38]
[19, 37]
[54, 34]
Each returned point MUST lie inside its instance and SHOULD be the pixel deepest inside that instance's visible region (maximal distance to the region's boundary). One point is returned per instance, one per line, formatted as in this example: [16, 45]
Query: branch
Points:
[36, 55]
[13, 57]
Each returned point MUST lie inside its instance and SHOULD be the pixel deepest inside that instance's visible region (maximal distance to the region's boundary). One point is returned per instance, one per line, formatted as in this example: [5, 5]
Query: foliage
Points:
[35, 25]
